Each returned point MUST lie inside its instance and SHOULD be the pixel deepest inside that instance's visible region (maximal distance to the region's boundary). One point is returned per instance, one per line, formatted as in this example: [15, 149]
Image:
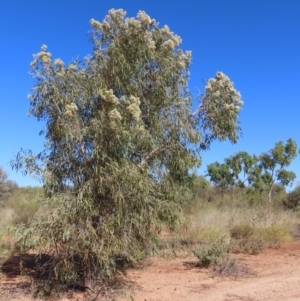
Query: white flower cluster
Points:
[43, 55]
[100, 26]
[117, 14]
[166, 31]
[124, 100]
[72, 67]
[114, 15]
[134, 108]
[132, 105]
[168, 45]
[96, 24]
[169, 34]
[115, 115]
[60, 72]
[220, 88]
[58, 63]
[132, 23]
[108, 96]
[145, 19]
[71, 109]
[184, 59]
[150, 42]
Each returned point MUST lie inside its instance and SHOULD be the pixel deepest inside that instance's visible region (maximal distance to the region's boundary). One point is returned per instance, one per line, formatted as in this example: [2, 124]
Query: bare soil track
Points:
[273, 275]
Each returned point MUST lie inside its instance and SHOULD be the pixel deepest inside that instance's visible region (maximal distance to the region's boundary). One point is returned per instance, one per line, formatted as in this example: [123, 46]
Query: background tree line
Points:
[256, 173]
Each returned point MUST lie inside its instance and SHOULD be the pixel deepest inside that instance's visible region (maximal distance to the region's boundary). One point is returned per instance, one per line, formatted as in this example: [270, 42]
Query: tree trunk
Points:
[270, 192]
[88, 276]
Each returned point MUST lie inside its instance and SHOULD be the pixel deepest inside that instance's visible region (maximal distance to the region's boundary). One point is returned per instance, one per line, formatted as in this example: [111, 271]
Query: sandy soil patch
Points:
[273, 275]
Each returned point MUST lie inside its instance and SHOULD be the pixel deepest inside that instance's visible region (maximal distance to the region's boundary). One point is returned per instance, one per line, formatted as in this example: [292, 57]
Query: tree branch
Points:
[149, 155]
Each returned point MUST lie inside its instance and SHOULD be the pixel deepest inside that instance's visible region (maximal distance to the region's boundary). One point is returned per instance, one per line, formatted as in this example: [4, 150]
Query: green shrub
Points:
[251, 245]
[275, 235]
[246, 239]
[212, 254]
[241, 231]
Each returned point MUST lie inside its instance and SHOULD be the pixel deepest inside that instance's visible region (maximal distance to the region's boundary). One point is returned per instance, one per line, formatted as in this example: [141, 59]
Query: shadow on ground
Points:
[26, 264]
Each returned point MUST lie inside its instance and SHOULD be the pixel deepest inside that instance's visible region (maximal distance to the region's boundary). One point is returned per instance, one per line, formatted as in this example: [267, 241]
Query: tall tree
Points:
[121, 139]
[274, 162]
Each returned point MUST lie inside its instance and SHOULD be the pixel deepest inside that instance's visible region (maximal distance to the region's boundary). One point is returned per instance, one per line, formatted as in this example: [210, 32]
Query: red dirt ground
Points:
[273, 275]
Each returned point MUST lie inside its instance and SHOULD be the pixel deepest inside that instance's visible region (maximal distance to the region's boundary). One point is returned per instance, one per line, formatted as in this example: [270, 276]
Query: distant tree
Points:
[121, 139]
[200, 188]
[6, 186]
[238, 170]
[274, 162]
[260, 172]
[220, 175]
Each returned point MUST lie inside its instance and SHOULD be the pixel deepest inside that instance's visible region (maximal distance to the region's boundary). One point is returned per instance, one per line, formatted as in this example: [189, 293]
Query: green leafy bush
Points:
[275, 235]
[212, 254]
[241, 231]
[251, 245]
[246, 239]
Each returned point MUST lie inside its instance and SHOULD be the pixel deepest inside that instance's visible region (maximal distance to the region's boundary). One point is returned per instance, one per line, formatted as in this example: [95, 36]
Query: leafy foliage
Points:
[266, 171]
[121, 139]
[274, 162]
[238, 170]
[213, 254]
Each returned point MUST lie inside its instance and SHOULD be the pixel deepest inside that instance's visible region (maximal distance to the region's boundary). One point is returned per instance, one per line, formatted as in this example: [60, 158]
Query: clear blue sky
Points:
[255, 42]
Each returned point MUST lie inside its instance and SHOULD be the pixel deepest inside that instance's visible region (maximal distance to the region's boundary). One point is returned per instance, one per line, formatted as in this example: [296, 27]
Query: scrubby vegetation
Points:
[121, 143]
[6, 186]
[19, 209]
[292, 200]
[214, 224]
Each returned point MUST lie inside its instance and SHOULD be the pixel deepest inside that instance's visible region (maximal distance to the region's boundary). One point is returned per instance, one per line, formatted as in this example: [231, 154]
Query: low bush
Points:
[275, 235]
[213, 254]
[246, 239]
[241, 231]
[251, 245]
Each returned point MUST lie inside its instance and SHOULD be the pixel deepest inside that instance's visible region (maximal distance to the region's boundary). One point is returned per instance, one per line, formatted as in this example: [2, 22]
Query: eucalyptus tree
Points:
[120, 141]
[261, 172]
[239, 170]
[274, 163]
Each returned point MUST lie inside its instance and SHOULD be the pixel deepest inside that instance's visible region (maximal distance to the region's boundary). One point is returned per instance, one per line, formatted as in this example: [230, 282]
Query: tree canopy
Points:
[261, 172]
[120, 141]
